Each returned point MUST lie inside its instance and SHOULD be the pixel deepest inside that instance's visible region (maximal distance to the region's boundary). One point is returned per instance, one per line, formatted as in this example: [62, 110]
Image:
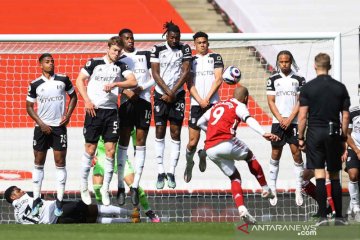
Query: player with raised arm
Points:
[353, 160]
[170, 66]
[283, 99]
[134, 111]
[104, 76]
[206, 78]
[73, 211]
[224, 148]
[49, 91]
[98, 176]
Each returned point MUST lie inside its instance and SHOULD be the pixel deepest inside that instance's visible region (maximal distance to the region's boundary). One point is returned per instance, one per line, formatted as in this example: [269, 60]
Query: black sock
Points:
[337, 196]
[321, 196]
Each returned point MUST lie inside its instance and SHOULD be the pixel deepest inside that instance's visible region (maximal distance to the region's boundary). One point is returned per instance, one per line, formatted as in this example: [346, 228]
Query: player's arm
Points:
[303, 110]
[204, 119]
[243, 113]
[194, 93]
[218, 70]
[72, 104]
[184, 75]
[273, 108]
[155, 69]
[80, 84]
[30, 102]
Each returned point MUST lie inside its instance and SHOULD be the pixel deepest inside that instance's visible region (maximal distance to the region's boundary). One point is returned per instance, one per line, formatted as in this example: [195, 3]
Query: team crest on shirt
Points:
[218, 57]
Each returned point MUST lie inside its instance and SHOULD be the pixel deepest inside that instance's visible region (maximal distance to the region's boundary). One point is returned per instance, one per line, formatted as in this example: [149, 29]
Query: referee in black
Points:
[324, 104]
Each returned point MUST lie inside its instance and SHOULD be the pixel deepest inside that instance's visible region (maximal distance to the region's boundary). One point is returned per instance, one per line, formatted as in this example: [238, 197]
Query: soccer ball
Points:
[231, 75]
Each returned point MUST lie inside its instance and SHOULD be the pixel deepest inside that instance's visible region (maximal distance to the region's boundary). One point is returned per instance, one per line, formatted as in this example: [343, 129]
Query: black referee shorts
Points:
[322, 148]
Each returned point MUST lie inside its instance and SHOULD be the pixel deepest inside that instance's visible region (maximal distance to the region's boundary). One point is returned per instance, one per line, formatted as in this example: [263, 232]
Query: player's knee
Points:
[353, 175]
[235, 175]
[249, 156]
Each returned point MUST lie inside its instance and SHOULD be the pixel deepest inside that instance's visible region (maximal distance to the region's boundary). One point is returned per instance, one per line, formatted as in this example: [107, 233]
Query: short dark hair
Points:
[200, 34]
[116, 40]
[170, 27]
[125, 30]
[44, 55]
[8, 192]
[322, 60]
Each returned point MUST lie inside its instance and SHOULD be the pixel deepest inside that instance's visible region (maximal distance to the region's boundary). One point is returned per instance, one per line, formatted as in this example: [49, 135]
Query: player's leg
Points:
[276, 151]
[330, 201]
[40, 147]
[176, 117]
[352, 167]
[98, 169]
[194, 136]
[298, 170]
[110, 136]
[93, 127]
[221, 155]
[161, 112]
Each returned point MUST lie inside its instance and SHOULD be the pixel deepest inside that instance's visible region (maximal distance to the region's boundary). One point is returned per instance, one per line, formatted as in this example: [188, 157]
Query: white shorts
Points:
[225, 153]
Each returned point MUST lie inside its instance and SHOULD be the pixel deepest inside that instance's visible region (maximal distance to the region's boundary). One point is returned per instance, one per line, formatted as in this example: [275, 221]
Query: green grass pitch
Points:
[168, 231]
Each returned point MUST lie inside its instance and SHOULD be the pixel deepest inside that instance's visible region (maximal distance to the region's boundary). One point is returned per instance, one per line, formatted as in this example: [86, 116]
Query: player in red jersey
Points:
[223, 147]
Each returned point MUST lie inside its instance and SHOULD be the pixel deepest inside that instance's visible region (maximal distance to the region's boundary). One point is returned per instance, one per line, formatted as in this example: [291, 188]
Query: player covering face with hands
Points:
[223, 147]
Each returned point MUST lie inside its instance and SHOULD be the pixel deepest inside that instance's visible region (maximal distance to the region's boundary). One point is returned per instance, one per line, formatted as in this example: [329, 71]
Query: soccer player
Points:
[353, 160]
[134, 111]
[223, 147]
[98, 176]
[206, 69]
[49, 91]
[73, 211]
[282, 96]
[104, 75]
[170, 66]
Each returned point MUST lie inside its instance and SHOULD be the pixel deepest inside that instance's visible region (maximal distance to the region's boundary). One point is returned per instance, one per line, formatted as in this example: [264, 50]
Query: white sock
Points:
[61, 181]
[121, 159]
[106, 220]
[159, 154]
[174, 155]
[299, 170]
[37, 178]
[190, 155]
[139, 164]
[354, 195]
[85, 170]
[113, 210]
[274, 171]
[108, 172]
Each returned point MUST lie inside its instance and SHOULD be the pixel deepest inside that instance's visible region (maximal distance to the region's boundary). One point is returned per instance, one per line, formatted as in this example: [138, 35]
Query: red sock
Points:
[237, 192]
[257, 171]
[309, 188]
[329, 196]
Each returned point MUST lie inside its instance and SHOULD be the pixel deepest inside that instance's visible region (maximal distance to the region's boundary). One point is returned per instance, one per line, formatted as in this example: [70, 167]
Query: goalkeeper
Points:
[98, 176]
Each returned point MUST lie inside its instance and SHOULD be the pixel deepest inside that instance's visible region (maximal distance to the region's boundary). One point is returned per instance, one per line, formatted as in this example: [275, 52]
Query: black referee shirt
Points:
[326, 99]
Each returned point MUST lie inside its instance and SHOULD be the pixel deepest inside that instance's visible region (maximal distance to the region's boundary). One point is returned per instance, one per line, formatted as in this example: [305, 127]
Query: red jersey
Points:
[223, 120]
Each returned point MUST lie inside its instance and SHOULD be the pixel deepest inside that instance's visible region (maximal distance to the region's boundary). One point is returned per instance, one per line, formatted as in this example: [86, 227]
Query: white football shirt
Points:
[50, 95]
[355, 124]
[203, 67]
[286, 90]
[170, 61]
[101, 72]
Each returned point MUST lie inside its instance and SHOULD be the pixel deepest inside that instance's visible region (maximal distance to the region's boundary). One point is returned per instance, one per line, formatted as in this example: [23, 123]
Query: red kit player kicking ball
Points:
[223, 147]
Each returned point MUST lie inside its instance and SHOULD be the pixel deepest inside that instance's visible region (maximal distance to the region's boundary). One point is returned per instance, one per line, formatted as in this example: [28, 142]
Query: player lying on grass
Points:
[223, 147]
[129, 173]
[73, 211]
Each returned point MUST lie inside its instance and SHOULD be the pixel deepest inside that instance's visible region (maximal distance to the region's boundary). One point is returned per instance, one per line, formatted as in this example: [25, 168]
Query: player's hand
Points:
[271, 137]
[204, 103]
[131, 95]
[285, 123]
[65, 120]
[109, 87]
[138, 90]
[302, 145]
[344, 156]
[45, 128]
[90, 108]
[167, 98]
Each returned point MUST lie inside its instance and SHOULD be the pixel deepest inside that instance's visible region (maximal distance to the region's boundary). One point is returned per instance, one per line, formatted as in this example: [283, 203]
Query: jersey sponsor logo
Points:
[286, 93]
[139, 71]
[175, 64]
[204, 73]
[51, 99]
[105, 79]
